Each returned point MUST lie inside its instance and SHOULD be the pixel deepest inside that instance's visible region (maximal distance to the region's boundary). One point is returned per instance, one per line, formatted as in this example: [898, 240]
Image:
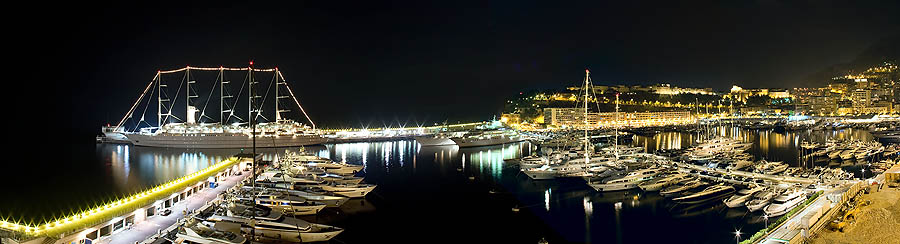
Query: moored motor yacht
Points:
[761, 200]
[288, 229]
[785, 202]
[679, 188]
[658, 183]
[629, 181]
[742, 196]
[351, 191]
[288, 204]
[199, 231]
[712, 193]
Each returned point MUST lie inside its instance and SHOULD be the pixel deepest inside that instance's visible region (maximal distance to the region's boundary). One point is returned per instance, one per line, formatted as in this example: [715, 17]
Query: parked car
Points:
[166, 212]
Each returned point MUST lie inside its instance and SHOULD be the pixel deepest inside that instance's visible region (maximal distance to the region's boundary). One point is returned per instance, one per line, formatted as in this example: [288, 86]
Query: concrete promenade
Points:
[147, 230]
[789, 230]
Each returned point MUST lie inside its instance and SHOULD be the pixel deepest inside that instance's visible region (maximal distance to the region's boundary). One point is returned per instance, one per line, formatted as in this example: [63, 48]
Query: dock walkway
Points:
[147, 230]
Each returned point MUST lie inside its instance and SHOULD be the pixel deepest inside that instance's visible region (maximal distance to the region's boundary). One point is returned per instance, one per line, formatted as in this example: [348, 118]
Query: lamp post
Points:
[737, 236]
[766, 216]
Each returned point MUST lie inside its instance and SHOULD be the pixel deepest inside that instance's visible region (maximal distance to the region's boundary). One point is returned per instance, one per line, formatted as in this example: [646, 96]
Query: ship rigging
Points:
[201, 130]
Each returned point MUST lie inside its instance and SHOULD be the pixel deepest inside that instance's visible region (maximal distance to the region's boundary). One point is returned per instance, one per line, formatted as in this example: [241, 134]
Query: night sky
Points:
[370, 63]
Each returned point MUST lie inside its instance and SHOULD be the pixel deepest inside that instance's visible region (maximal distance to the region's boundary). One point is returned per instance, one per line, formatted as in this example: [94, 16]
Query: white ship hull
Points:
[221, 140]
[434, 141]
[474, 142]
[540, 174]
[615, 186]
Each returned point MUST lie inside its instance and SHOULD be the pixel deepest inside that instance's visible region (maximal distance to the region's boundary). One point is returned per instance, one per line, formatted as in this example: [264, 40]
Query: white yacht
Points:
[340, 168]
[547, 172]
[627, 182]
[773, 168]
[761, 200]
[351, 191]
[288, 229]
[681, 187]
[533, 161]
[440, 139]
[848, 154]
[287, 203]
[198, 231]
[709, 194]
[742, 196]
[785, 202]
[328, 200]
[487, 138]
[660, 182]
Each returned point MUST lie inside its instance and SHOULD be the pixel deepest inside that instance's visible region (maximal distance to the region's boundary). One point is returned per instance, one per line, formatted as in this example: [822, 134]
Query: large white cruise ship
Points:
[199, 127]
[276, 134]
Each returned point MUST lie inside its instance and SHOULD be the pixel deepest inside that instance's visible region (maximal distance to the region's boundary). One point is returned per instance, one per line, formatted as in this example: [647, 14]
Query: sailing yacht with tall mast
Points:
[198, 130]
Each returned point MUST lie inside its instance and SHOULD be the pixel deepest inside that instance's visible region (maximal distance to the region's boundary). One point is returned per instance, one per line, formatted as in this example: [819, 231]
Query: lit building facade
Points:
[574, 117]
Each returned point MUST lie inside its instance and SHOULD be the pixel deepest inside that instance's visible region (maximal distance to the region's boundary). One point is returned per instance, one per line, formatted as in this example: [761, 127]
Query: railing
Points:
[777, 224]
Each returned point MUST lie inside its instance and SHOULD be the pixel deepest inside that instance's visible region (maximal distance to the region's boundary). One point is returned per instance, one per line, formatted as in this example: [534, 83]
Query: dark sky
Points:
[369, 63]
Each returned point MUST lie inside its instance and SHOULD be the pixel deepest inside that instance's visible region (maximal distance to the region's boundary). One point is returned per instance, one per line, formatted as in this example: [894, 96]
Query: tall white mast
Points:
[222, 95]
[250, 92]
[587, 150]
[277, 84]
[159, 85]
[616, 130]
[187, 106]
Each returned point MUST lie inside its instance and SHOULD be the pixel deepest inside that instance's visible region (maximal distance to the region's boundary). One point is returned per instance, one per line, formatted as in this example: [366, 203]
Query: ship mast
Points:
[187, 104]
[250, 94]
[222, 96]
[587, 150]
[616, 130]
[277, 84]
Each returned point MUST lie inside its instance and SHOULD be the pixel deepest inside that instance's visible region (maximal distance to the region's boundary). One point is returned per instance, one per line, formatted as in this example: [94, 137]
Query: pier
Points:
[136, 217]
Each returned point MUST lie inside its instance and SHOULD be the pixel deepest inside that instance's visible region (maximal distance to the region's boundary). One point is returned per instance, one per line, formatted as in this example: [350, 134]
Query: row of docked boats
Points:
[845, 150]
[267, 208]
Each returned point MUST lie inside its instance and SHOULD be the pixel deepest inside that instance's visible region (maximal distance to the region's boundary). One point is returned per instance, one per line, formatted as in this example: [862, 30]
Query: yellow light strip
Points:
[98, 214]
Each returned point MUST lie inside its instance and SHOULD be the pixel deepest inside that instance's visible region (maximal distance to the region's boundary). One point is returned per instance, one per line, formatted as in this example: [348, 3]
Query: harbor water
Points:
[428, 194]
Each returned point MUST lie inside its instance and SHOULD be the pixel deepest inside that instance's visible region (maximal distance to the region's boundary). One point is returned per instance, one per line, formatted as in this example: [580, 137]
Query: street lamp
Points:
[766, 216]
[737, 236]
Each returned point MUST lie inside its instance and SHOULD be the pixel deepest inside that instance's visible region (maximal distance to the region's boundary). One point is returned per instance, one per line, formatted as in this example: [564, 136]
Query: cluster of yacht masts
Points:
[266, 208]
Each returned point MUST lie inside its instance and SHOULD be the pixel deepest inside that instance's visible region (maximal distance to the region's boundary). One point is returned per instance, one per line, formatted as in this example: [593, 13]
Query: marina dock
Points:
[136, 217]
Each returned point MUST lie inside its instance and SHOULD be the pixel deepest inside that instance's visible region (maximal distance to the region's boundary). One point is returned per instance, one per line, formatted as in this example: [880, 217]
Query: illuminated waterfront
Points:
[452, 185]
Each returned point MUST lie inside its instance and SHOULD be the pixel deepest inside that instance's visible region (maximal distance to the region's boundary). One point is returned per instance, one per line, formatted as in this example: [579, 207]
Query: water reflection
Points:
[767, 144]
[133, 168]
